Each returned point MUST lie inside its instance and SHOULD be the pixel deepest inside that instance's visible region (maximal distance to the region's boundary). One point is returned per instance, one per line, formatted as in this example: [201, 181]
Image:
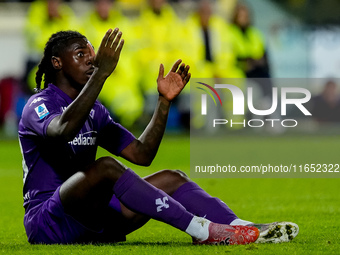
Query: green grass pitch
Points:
[313, 204]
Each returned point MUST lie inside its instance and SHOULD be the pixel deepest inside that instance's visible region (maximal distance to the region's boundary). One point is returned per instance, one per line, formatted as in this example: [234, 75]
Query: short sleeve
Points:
[37, 115]
[112, 136]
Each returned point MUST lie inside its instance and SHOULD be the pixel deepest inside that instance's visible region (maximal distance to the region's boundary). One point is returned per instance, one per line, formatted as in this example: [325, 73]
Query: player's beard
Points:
[78, 86]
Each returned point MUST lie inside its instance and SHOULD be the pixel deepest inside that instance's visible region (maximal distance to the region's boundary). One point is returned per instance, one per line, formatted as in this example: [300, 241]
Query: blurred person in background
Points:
[325, 107]
[158, 36]
[12, 100]
[44, 18]
[248, 44]
[211, 45]
[210, 50]
[131, 6]
[250, 49]
[123, 95]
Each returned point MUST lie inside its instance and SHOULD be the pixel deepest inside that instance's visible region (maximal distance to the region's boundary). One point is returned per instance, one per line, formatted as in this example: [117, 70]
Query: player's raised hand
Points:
[109, 51]
[172, 84]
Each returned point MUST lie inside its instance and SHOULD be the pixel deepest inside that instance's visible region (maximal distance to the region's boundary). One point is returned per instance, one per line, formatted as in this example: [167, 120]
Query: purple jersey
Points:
[47, 162]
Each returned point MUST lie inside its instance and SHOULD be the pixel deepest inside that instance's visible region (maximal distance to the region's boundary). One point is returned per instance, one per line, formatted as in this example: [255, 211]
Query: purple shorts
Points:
[47, 223]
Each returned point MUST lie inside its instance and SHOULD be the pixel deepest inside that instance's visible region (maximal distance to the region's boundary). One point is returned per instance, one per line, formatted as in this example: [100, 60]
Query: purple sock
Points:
[140, 196]
[201, 204]
[115, 204]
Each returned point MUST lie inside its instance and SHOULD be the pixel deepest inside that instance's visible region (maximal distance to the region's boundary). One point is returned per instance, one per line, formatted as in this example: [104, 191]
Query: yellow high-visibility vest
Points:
[39, 27]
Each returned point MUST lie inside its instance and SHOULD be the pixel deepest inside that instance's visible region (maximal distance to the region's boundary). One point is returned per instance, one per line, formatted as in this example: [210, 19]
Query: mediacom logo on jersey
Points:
[84, 139]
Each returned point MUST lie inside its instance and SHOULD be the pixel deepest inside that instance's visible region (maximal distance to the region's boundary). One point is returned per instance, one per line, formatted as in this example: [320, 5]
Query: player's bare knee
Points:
[175, 176]
[182, 173]
[109, 168]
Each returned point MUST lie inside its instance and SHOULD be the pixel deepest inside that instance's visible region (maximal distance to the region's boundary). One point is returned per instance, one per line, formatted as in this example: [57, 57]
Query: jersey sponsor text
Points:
[84, 139]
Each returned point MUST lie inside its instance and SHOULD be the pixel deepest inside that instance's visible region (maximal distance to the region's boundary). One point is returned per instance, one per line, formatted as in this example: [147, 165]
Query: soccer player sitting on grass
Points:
[70, 197]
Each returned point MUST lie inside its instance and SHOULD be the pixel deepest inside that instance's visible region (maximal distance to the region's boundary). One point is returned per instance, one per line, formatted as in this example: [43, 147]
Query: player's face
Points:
[77, 62]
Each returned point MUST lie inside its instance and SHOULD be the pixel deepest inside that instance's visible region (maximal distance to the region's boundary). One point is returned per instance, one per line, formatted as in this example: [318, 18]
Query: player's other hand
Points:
[108, 53]
[172, 84]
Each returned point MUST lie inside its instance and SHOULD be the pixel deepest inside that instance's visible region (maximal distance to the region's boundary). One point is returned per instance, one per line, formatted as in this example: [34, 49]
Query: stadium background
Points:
[302, 38]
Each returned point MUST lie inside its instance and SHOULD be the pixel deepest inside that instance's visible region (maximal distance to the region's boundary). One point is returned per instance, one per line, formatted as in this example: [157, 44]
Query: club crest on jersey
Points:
[42, 111]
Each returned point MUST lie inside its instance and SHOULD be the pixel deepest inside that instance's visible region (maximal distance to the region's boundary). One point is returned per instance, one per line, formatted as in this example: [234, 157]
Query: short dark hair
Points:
[54, 47]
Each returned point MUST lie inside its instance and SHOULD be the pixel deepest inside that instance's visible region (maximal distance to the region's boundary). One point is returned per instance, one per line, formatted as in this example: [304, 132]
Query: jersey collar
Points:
[60, 92]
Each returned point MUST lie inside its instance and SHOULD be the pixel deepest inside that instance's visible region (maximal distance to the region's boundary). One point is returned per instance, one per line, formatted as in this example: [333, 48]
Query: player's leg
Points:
[197, 201]
[178, 185]
[200, 203]
[85, 194]
[167, 180]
